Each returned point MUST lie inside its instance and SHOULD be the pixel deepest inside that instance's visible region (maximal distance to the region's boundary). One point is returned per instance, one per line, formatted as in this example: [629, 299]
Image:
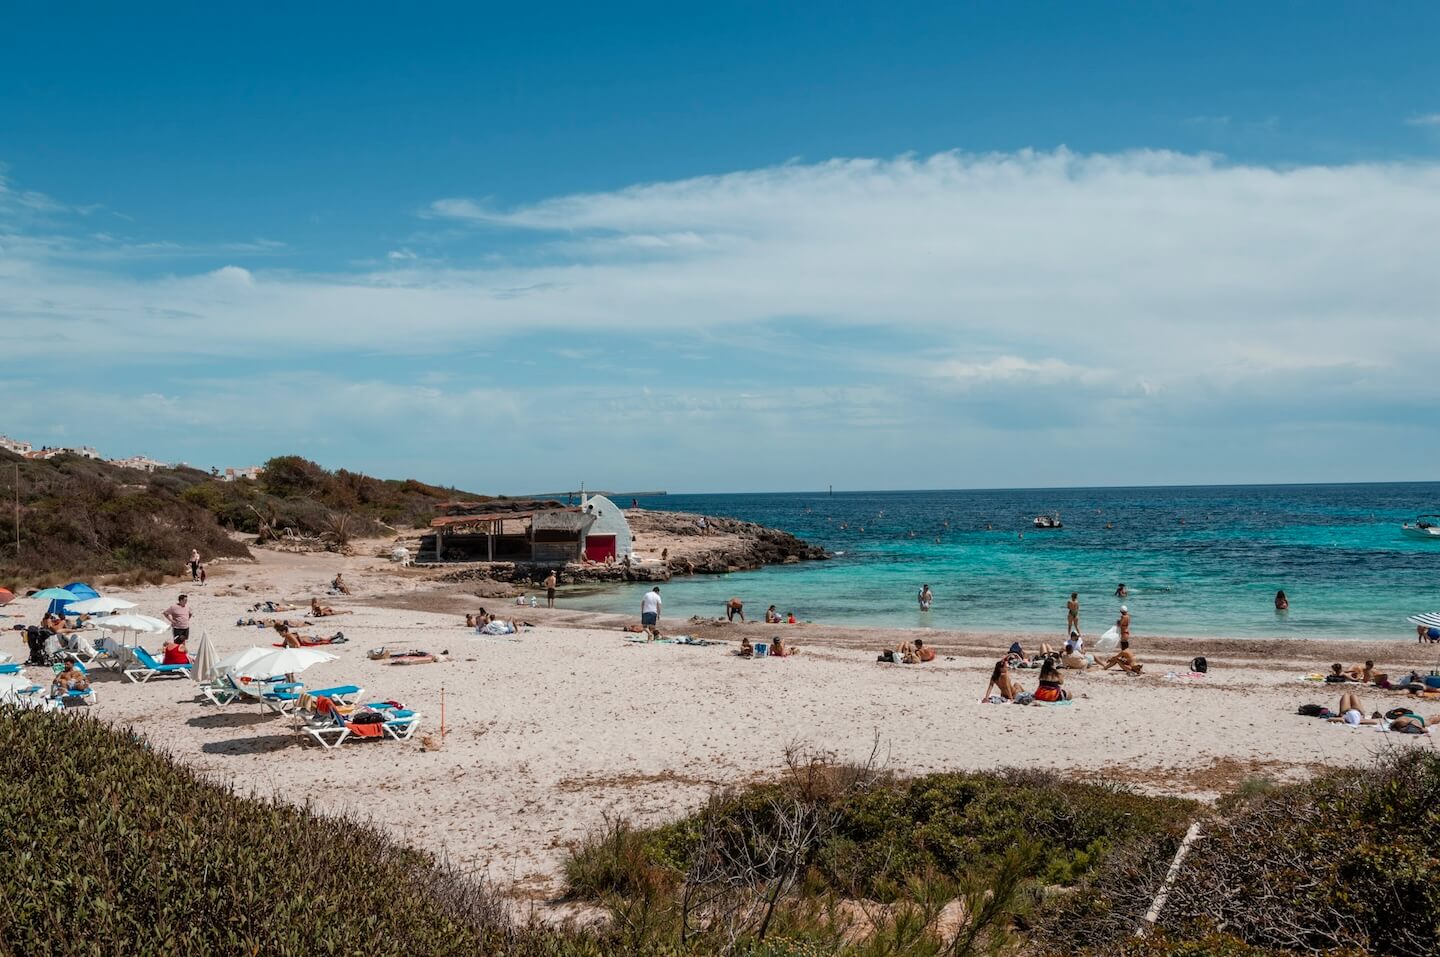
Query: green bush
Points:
[115, 848]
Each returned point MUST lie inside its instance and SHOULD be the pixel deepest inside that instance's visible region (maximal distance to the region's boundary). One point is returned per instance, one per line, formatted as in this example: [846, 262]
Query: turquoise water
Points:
[1203, 561]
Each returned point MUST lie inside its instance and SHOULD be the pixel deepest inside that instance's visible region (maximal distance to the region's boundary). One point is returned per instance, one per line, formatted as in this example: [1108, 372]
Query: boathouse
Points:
[609, 537]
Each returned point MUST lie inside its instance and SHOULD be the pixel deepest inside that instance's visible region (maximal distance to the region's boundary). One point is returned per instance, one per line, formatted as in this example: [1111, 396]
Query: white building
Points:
[140, 463]
[609, 536]
[251, 472]
[15, 445]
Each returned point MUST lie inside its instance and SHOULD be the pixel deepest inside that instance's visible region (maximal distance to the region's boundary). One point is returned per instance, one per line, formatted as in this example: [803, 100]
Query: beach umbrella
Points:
[12, 685]
[1430, 620]
[141, 623]
[240, 659]
[202, 662]
[6, 596]
[99, 606]
[54, 594]
[285, 661]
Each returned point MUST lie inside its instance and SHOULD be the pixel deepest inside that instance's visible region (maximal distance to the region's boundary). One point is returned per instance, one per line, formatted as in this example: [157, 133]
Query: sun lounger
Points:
[331, 725]
[12, 669]
[148, 667]
[222, 691]
[340, 694]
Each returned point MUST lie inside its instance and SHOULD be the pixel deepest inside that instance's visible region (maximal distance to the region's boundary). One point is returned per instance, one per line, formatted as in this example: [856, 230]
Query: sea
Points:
[1195, 561]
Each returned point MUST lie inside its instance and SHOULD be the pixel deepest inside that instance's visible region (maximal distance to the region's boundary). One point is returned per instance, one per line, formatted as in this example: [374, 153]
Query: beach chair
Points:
[222, 691]
[9, 669]
[281, 697]
[147, 667]
[340, 694]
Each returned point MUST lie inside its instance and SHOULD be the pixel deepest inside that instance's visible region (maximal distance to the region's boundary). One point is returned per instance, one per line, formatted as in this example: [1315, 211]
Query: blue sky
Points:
[754, 246]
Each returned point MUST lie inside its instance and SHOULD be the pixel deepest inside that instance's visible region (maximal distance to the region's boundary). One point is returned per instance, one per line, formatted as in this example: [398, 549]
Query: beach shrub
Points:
[81, 518]
[1346, 863]
[116, 848]
[839, 859]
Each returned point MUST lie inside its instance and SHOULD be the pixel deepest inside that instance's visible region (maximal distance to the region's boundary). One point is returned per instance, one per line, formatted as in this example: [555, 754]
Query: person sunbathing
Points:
[922, 653]
[273, 606]
[1337, 675]
[175, 653]
[69, 679]
[339, 586]
[1001, 681]
[1352, 712]
[778, 649]
[1412, 723]
[772, 617]
[318, 610]
[747, 650]
[1074, 658]
[1050, 683]
[1125, 658]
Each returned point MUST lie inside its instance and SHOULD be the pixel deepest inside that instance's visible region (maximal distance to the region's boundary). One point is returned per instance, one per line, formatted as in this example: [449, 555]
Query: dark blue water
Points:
[1200, 561]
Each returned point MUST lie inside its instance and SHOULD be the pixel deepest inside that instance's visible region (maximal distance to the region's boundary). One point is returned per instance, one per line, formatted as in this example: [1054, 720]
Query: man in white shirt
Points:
[650, 612]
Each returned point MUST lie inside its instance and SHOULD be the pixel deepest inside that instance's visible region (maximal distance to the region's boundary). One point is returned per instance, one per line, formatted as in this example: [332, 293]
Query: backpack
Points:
[1313, 711]
[1200, 665]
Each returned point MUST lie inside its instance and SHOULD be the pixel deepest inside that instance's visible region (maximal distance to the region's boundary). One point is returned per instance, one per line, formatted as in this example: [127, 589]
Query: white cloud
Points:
[1065, 285]
[1423, 119]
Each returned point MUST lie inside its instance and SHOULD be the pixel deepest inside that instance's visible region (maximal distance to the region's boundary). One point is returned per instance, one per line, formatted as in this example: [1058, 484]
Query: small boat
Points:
[1048, 521]
[1426, 526]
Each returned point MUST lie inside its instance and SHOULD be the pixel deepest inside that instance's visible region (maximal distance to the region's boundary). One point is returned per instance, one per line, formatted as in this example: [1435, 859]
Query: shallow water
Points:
[1202, 561]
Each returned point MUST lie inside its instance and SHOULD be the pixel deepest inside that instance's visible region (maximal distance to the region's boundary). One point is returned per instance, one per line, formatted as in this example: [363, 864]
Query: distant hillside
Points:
[82, 518]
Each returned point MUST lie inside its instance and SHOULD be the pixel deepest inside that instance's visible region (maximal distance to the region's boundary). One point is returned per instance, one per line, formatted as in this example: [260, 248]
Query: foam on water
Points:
[1197, 561]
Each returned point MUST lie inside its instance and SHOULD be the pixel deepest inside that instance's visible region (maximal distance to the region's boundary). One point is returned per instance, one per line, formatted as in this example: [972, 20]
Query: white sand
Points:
[547, 734]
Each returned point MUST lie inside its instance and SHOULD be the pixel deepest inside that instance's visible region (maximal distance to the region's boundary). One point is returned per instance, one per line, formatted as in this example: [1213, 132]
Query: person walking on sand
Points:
[178, 615]
[194, 564]
[1124, 623]
[1072, 614]
[735, 607]
[550, 582]
[926, 598]
[650, 612]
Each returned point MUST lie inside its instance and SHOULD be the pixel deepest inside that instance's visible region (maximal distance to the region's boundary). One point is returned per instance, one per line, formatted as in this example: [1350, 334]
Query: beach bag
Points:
[1200, 665]
[1313, 711]
[1110, 641]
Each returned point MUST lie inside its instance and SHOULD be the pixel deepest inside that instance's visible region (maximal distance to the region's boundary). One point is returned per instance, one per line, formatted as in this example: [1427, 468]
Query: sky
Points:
[744, 247]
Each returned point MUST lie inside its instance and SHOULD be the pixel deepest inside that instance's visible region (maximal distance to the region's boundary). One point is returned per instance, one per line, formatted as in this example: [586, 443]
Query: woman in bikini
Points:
[1001, 681]
[1050, 683]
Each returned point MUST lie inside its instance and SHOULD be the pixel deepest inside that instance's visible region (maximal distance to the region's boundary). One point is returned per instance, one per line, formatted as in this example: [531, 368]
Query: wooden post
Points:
[442, 714]
[440, 543]
[490, 540]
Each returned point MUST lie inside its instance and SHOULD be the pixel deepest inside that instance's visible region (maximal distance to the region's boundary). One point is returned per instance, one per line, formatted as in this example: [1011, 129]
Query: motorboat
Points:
[1426, 526]
[1048, 521]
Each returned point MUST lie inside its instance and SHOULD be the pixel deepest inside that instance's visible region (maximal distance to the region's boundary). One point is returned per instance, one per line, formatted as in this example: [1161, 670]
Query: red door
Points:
[599, 548]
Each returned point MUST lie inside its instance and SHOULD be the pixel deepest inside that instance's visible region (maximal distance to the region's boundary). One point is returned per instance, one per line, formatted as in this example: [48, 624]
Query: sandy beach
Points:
[549, 732]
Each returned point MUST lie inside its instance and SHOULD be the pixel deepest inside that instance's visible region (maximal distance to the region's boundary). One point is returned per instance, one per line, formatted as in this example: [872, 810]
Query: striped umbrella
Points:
[1430, 620]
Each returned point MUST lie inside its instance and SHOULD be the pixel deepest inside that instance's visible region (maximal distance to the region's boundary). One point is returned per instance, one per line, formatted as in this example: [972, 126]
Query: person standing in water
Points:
[550, 582]
[1072, 614]
[1281, 602]
[1120, 591]
[926, 597]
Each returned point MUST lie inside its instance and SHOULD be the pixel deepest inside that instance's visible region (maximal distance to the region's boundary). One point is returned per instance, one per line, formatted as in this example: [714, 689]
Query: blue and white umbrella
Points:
[1429, 620]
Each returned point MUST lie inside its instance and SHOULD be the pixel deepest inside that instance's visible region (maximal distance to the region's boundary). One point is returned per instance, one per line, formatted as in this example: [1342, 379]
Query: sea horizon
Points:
[1198, 561]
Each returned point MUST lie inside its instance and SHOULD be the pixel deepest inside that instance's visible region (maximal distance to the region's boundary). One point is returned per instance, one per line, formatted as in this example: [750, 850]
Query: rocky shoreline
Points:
[666, 544]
